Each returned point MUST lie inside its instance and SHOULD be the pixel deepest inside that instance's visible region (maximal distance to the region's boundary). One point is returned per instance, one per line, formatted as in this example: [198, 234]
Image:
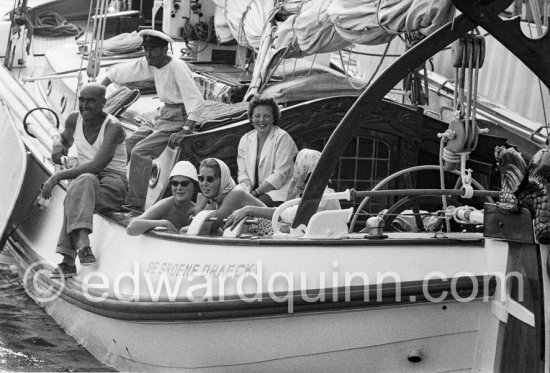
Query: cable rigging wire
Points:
[534, 10]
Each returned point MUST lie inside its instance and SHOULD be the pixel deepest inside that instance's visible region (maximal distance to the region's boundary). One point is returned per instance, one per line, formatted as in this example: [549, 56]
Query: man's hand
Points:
[58, 151]
[176, 139]
[48, 186]
[56, 156]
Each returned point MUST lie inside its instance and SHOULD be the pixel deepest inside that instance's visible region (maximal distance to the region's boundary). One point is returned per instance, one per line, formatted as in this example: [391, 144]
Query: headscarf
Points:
[226, 185]
[306, 160]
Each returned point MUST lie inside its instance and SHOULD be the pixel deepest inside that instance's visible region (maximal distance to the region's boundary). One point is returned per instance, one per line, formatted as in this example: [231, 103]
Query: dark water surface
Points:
[30, 340]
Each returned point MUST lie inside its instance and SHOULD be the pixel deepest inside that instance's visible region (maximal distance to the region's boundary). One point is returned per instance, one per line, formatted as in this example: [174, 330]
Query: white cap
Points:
[155, 37]
[185, 168]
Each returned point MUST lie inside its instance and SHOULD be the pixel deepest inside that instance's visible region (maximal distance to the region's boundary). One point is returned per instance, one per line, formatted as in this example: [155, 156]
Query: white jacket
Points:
[276, 163]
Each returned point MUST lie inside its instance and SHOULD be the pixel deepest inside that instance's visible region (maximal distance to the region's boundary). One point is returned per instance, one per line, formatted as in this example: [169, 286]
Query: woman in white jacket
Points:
[306, 161]
[266, 154]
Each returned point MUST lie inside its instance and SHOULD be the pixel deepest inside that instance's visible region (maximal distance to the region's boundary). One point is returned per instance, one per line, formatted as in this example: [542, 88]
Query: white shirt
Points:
[174, 82]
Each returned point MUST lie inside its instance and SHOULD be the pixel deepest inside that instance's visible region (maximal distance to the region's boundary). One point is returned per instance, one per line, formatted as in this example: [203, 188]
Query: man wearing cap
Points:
[183, 104]
[171, 213]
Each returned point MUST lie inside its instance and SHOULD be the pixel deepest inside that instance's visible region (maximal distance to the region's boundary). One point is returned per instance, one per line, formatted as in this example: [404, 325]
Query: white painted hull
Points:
[350, 341]
[211, 336]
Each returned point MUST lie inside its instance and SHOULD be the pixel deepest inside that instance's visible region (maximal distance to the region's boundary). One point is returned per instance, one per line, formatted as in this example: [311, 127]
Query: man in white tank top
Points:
[99, 177]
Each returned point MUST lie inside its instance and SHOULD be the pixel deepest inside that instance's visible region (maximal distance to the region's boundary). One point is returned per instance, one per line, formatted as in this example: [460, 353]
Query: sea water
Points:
[30, 340]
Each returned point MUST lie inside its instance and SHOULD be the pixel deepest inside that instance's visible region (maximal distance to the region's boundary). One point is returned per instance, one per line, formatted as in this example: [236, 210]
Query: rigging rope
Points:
[539, 82]
[79, 79]
[51, 24]
[98, 35]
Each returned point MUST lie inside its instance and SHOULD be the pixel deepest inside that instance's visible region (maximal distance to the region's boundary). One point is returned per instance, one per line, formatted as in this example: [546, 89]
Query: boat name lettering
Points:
[206, 270]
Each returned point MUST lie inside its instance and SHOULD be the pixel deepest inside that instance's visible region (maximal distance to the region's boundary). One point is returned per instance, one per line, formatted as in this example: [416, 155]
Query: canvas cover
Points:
[309, 31]
[377, 22]
[293, 29]
[319, 26]
[246, 20]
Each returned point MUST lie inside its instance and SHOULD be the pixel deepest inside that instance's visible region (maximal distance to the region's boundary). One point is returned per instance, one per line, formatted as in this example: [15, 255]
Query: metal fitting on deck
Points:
[375, 226]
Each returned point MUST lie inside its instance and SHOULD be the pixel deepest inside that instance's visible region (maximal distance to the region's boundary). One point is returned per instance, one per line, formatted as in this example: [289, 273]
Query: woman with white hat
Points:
[173, 212]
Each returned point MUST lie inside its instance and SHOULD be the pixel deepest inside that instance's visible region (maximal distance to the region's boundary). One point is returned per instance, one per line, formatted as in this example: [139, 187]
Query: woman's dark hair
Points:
[267, 101]
[213, 164]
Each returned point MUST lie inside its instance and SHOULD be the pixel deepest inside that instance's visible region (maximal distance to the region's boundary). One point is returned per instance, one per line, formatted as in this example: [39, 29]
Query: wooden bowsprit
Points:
[366, 103]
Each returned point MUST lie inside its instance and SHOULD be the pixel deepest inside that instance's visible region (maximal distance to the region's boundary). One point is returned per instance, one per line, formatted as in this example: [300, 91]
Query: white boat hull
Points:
[448, 335]
[134, 333]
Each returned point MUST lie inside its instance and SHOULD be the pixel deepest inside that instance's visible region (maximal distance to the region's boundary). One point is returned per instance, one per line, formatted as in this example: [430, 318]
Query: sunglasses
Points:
[209, 179]
[183, 183]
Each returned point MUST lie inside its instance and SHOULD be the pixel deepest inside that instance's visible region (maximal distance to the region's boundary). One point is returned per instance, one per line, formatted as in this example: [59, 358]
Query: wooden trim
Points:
[523, 346]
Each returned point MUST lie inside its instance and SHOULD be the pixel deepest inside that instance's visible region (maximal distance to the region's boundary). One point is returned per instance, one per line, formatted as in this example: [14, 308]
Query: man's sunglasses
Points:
[183, 183]
[209, 179]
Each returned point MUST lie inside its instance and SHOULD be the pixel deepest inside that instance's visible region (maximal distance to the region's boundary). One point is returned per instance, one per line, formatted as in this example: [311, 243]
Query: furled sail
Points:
[298, 28]
[246, 20]
[317, 26]
[309, 31]
[223, 32]
[377, 22]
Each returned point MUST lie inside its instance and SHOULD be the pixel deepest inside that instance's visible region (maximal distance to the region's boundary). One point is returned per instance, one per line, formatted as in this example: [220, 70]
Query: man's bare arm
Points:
[64, 140]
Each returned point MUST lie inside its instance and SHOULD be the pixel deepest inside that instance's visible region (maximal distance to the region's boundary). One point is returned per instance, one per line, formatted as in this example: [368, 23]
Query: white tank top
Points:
[86, 151]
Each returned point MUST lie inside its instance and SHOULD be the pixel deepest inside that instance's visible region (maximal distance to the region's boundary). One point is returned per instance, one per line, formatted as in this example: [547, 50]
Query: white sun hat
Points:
[184, 168]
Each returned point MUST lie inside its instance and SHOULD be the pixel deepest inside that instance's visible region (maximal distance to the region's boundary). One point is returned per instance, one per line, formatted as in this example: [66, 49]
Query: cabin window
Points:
[49, 87]
[155, 174]
[364, 163]
[63, 104]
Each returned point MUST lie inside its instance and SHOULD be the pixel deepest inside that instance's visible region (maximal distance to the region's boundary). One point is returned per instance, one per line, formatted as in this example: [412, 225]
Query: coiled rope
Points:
[51, 24]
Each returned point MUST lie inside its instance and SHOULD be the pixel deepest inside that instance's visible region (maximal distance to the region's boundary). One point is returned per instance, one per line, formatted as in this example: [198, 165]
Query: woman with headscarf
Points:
[306, 161]
[171, 213]
[266, 153]
[220, 193]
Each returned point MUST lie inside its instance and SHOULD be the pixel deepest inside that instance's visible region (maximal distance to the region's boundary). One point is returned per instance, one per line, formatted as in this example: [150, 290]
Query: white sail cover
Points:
[318, 26]
[309, 31]
[294, 28]
[246, 20]
[223, 32]
[377, 22]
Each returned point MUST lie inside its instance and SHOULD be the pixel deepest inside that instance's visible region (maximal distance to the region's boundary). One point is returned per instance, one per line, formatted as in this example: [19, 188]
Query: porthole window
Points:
[63, 104]
[155, 174]
[49, 87]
